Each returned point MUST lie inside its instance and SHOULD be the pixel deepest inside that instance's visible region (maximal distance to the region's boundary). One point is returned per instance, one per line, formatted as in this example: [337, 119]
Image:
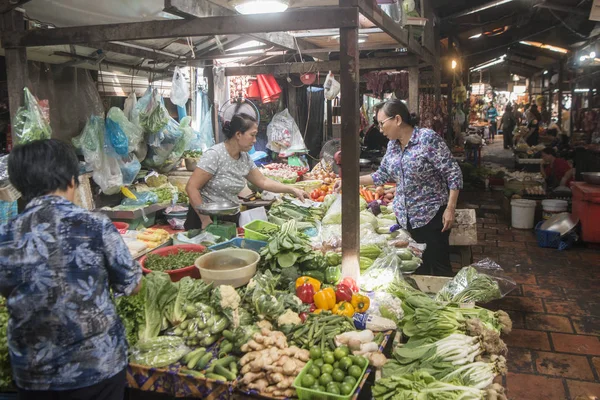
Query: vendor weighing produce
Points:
[223, 169]
[428, 181]
[59, 268]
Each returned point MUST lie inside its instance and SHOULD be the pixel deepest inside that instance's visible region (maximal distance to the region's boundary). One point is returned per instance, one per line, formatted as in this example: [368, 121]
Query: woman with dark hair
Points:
[556, 171]
[58, 265]
[533, 137]
[223, 170]
[507, 125]
[428, 182]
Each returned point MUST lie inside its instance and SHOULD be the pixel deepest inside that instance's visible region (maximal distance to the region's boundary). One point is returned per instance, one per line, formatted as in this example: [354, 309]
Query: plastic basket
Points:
[259, 230]
[9, 193]
[553, 240]
[240, 243]
[177, 274]
[312, 394]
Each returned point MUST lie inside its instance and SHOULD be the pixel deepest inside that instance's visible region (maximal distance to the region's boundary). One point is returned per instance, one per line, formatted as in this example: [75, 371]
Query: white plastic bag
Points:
[331, 86]
[284, 135]
[130, 103]
[180, 89]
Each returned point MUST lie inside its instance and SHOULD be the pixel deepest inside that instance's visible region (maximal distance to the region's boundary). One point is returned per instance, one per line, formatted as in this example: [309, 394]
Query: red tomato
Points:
[321, 199]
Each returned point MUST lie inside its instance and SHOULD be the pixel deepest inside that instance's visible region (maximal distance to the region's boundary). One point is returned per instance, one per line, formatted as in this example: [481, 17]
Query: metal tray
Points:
[119, 214]
[562, 223]
[220, 208]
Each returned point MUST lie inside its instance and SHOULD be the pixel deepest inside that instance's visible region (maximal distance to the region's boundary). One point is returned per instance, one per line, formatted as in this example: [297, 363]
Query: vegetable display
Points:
[181, 259]
[5, 370]
[469, 285]
[320, 330]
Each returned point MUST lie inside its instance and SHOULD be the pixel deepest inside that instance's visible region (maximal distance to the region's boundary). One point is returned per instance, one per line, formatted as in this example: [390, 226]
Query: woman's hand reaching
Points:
[448, 219]
[300, 194]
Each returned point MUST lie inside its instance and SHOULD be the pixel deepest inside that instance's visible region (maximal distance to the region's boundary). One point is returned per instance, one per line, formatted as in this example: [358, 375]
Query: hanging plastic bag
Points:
[130, 167]
[129, 106]
[108, 175]
[166, 148]
[133, 132]
[117, 138]
[154, 117]
[30, 123]
[140, 106]
[284, 135]
[204, 138]
[334, 213]
[331, 86]
[89, 142]
[180, 89]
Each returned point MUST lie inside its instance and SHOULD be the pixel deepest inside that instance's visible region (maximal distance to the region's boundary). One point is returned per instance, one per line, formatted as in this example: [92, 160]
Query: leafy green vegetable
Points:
[159, 352]
[181, 259]
[469, 285]
[159, 292]
[190, 291]
[131, 309]
[192, 153]
[156, 181]
[5, 370]
[30, 123]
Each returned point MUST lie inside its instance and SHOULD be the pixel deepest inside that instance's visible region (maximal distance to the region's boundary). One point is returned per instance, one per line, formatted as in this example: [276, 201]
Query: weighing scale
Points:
[223, 229]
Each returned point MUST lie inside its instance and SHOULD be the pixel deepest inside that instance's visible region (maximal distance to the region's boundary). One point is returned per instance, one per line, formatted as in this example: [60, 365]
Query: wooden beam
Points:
[210, 80]
[235, 25]
[413, 90]
[16, 66]
[349, 81]
[322, 66]
[95, 61]
[9, 5]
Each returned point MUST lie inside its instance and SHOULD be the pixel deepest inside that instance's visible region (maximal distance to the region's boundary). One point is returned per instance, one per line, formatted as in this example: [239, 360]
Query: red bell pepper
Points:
[305, 293]
[312, 307]
[343, 293]
[351, 283]
[303, 316]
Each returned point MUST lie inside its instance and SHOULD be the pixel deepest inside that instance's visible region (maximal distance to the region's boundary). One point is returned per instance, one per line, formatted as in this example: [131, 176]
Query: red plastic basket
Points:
[177, 274]
[122, 227]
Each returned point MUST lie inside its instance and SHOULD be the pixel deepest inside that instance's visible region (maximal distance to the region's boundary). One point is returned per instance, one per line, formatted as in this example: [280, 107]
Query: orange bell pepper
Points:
[360, 303]
[325, 299]
[307, 279]
[344, 308]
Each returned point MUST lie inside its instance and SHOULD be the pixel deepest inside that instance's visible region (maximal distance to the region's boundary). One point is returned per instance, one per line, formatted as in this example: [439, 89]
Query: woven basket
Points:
[9, 193]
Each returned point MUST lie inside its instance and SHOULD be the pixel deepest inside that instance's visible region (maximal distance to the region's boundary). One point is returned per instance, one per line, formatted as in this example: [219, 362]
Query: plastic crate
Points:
[312, 394]
[259, 229]
[553, 240]
[240, 243]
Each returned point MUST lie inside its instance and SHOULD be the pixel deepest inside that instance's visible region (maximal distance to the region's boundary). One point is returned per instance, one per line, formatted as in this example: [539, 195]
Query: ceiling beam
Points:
[475, 9]
[9, 5]
[324, 66]
[204, 8]
[96, 61]
[137, 51]
[342, 17]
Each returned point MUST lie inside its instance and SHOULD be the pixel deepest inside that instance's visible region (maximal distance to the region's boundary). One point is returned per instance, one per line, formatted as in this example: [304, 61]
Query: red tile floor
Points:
[554, 348]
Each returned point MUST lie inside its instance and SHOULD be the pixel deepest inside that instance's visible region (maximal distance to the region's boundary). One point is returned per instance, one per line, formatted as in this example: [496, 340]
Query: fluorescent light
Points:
[582, 90]
[251, 43]
[453, 64]
[475, 36]
[486, 6]
[583, 58]
[592, 54]
[261, 6]
[545, 46]
[489, 63]
[545, 72]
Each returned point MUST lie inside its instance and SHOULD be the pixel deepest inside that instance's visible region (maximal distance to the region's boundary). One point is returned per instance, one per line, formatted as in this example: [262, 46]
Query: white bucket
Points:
[553, 207]
[523, 213]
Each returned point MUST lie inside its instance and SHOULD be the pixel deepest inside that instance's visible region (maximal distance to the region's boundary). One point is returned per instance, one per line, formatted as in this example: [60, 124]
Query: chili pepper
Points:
[305, 293]
[343, 293]
[310, 280]
[325, 299]
[351, 283]
[332, 274]
[344, 308]
[360, 303]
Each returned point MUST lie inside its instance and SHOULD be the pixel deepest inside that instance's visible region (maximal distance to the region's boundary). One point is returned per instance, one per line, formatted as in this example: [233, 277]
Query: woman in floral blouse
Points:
[428, 181]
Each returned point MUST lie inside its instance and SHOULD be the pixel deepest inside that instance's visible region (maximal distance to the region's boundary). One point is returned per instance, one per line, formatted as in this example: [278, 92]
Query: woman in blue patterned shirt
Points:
[58, 265]
[428, 181]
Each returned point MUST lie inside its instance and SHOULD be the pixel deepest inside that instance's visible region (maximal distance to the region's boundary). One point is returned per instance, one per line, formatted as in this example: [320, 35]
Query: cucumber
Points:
[177, 332]
[195, 374]
[228, 335]
[211, 321]
[224, 361]
[221, 370]
[225, 349]
[207, 341]
[194, 360]
[190, 310]
[201, 323]
[233, 367]
[204, 360]
[216, 377]
[184, 324]
[219, 325]
[192, 354]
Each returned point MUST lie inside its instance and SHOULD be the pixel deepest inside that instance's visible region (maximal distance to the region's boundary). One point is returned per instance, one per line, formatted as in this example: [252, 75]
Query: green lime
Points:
[345, 363]
[328, 357]
[338, 375]
[333, 389]
[346, 388]
[341, 352]
[350, 380]
[308, 381]
[314, 371]
[318, 362]
[360, 361]
[336, 365]
[355, 371]
[327, 369]
[315, 353]
[325, 379]
[322, 388]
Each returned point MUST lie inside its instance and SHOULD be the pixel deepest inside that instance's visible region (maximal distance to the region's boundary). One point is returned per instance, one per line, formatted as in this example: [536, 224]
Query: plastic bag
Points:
[143, 199]
[4, 169]
[130, 167]
[30, 123]
[180, 89]
[166, 148]
[481, 282]
[382, 273]
[108, 174]
[386, 305]
[284, 135]
[159, 352]
[204, 138]
[89, 142]
[140, 106]
[117, 138]
[133, 132]
[203, 238]
[334, 213]
[331, 86]
[129, 106]
[154, 117]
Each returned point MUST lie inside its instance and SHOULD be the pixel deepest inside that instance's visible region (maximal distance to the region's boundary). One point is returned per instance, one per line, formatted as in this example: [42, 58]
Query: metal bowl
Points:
[593, 178]
[562, 223]
[220, 208]
[364, 162]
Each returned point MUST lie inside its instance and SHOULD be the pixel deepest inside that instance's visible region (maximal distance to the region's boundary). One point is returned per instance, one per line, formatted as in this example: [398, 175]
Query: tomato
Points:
[338, 375]
[321, 199]
[324, 188]
[315, 353]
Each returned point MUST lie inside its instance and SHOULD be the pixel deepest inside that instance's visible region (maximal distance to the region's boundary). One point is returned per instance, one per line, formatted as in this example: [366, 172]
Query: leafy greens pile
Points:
[5, 371]
[181, 259]
[470, 285]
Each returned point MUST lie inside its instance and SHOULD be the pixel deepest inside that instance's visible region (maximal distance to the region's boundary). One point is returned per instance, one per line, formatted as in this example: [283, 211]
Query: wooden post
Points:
[560, 93]
[16, 66]
[291, 102]
[413, 90]
[210, 80]
[349, 80]
[329, 120]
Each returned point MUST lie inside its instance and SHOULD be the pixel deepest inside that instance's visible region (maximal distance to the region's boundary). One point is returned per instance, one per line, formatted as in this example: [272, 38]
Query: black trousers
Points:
[192, 220]
[109, 389]
[436, 258]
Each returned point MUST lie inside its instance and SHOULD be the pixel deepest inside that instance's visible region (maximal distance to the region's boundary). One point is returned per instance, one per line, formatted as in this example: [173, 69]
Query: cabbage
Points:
[366, 217]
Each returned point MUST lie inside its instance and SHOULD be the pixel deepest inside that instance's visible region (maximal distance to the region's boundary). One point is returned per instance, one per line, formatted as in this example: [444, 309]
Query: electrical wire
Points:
[566, 25]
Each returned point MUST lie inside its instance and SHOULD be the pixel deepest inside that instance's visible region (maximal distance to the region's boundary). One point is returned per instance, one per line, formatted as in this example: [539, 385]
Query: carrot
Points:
[369, 196]
[377, 196]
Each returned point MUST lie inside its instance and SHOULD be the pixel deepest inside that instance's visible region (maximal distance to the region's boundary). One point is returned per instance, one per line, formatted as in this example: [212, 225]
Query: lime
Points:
[314, 371]
[328, 357]
[360, 361]
[346, 388]
[345, 363]
[355, 371]
[315, 353]
[327, 369]
[338, 375]
[350, 380]
[308, 381]
[333, 390]
[318, 362]
[325, 379]
[341, 352]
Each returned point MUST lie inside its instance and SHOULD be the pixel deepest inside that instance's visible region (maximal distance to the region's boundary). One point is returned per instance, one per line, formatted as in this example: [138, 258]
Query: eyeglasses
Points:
[384, 121]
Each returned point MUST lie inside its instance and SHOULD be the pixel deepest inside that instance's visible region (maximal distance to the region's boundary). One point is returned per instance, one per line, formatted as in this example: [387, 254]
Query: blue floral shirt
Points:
[58, 263]
[424, 173]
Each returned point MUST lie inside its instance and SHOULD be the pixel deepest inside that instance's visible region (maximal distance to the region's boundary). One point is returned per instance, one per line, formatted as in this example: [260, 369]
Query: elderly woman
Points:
[223, 170]
[58, 266]
[428, 182]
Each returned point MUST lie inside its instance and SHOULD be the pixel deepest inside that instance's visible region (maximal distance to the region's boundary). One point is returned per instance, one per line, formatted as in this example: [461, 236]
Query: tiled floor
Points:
[554, 349]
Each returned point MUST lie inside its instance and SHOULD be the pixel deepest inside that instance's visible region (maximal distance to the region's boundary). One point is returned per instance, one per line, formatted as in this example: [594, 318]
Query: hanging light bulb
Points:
[260, 6]
[454, 64]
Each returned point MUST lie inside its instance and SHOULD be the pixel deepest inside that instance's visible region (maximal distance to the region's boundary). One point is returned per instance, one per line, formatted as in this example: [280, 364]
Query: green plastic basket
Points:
[259, 230]
[312, 394]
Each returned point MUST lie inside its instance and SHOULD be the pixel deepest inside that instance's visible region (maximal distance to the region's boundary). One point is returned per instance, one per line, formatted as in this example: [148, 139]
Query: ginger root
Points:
[302, 355]
[260, 385]
[285, 393]
[250, 377]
